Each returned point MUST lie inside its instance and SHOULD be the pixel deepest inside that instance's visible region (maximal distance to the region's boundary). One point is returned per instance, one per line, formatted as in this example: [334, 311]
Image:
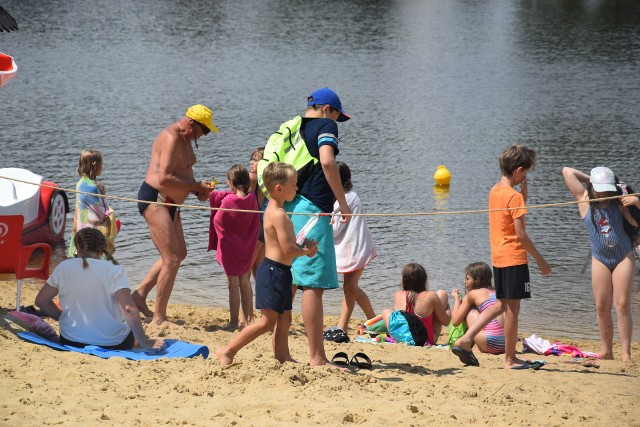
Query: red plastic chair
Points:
[14, 257]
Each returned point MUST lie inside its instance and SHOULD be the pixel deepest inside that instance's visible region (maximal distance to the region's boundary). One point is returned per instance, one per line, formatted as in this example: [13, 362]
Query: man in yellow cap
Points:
[170, 179]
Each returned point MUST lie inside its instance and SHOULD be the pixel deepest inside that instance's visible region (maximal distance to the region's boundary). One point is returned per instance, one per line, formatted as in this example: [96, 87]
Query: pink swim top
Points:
[410, 298]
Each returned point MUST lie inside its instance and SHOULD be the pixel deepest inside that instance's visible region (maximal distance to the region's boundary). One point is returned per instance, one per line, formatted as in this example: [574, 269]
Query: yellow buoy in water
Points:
[442, 176]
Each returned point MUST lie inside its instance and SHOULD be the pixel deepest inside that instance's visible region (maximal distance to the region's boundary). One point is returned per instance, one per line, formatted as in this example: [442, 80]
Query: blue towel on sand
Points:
[173, 348]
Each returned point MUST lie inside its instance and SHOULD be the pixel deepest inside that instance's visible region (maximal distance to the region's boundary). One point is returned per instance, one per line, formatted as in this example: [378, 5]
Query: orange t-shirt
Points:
[506, 249]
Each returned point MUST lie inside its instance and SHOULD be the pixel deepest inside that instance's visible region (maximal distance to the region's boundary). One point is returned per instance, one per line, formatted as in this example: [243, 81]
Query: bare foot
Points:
[223, 357]
[626, 358]
[606, 356]
[141, 304]
[514, 363]
[287, 360]
[463, 343]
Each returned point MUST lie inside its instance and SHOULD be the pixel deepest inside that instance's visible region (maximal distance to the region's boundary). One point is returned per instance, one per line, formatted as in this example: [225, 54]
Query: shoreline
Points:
[31, 286]
[405, 384]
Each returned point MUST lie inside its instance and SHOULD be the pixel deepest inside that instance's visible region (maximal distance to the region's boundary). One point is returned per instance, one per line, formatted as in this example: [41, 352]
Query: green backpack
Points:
[287, 145]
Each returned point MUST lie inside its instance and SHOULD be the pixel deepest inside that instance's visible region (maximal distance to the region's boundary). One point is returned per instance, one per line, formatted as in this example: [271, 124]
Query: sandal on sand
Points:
[525, 365]
[466, 356]
[361, 360]
[340, 359]
[535, 365]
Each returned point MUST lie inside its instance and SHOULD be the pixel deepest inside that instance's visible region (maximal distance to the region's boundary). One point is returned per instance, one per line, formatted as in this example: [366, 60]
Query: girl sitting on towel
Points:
[234, 236]
[480, 296]
[96, 307]
[430, 307]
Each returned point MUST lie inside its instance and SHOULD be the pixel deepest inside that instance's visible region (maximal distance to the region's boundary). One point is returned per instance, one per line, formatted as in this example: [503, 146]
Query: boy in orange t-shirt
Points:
[510, 244]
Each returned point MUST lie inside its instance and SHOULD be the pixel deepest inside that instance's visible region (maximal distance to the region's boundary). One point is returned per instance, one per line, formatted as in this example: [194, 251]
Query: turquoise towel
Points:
[173, 349]
[320, 270]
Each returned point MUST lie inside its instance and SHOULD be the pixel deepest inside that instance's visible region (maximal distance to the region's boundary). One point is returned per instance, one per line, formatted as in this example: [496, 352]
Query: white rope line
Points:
[461, 212]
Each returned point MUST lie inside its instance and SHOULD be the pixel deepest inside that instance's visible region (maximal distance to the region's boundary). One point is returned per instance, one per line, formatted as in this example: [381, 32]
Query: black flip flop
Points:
[536, 364]
[466, 356]
[340, 359]
[361, 360]
[525, 365]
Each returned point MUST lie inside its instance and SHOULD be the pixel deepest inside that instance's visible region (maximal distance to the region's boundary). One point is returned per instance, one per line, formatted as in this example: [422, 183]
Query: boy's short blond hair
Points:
[277, 173]
[516, 156]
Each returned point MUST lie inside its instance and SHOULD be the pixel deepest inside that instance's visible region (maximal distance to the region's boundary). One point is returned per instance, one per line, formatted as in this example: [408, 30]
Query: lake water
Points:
[427, 82]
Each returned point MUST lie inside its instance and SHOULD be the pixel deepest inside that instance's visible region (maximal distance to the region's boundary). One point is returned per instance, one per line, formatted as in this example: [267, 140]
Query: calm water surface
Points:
[426, 82]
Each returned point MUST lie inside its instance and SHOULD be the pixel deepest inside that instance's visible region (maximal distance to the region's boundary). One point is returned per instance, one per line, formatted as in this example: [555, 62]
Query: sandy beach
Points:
[407, 385]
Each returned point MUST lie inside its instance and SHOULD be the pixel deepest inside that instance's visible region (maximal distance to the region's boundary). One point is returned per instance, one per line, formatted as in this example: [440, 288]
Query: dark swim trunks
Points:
[273, 286]
[150, 194]
[127, 344]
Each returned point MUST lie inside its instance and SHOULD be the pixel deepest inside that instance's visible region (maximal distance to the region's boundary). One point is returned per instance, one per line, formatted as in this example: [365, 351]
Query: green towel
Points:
[455, 332]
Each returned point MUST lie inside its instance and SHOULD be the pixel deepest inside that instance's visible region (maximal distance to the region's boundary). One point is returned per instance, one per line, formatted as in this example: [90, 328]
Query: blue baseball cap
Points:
[326, 96]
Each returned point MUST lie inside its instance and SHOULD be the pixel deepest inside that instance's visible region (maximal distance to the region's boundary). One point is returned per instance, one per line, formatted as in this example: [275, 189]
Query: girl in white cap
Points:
[612, 262]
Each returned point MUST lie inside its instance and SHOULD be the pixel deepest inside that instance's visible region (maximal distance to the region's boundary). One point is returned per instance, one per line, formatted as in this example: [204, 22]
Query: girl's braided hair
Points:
[91, 240]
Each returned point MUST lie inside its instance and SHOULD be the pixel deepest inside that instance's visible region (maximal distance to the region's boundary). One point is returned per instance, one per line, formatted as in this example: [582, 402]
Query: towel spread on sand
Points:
[173, 349]
[233, 235]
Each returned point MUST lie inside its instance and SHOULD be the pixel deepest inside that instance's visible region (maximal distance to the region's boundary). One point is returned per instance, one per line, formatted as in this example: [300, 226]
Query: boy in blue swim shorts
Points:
[274, 280]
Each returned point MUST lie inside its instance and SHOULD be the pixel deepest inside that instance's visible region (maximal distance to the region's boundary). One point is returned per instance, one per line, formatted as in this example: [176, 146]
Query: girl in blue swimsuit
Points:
[612, 262]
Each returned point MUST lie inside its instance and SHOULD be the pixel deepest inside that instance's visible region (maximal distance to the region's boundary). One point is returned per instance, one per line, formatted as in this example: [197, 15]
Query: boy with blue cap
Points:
[317, 191]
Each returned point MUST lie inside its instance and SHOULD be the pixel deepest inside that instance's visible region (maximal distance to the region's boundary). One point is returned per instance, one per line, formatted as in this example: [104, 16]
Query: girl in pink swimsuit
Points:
[480, 296]
[431, 307]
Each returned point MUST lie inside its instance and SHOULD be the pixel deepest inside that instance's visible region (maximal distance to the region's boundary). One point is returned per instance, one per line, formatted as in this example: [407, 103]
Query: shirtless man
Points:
[170, 179]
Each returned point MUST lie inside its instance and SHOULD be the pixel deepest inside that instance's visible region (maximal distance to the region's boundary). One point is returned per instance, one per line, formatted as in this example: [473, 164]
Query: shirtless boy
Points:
[274, 280]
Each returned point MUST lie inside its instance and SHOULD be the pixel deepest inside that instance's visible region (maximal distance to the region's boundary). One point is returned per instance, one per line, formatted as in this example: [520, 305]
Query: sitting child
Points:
[96, 307]
[480, 296]
[430, 307]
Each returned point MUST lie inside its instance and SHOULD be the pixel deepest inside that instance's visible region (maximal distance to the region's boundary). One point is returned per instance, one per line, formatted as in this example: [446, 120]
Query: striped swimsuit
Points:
[494, 331]
[609, 243]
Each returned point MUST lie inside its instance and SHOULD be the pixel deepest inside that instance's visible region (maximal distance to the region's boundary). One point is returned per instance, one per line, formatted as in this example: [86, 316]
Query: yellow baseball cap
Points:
[202, 115]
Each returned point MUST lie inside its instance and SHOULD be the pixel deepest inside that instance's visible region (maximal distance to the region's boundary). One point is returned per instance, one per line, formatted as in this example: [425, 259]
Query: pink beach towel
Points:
[233, 235]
